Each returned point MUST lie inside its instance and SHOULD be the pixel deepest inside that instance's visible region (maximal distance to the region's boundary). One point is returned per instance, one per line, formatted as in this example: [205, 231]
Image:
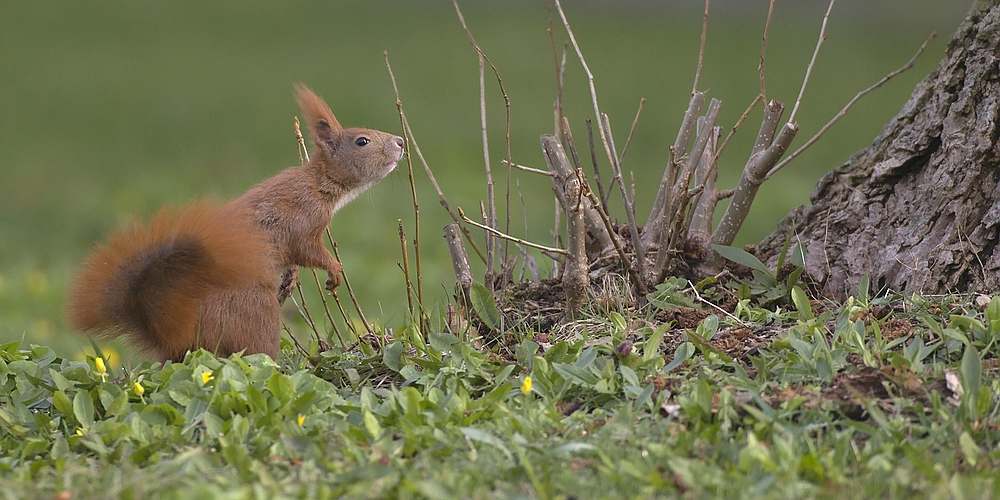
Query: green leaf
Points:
[863, 290]
[62, 383]
[571, 372]
[442, 342]
[972, 372]
[118, 405]
[683, 352]
[628, 375]
[392, 354]
[83, 409]
[371, 424]
[969, 448]
[281, 387]
[485, 306]
[802, 303]
[482, 436]
[651, 349]
[740, 256]
[586, 358]
[798, 255]
[62, 403]
[669, 295]
[643, 398]
[618, 321]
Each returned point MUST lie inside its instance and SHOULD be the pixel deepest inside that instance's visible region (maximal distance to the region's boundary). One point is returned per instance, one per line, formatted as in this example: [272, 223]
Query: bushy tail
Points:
[147, 282]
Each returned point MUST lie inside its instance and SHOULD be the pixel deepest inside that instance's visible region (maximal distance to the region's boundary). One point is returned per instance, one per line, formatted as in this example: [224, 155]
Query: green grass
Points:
[839, 405]
[109, 110]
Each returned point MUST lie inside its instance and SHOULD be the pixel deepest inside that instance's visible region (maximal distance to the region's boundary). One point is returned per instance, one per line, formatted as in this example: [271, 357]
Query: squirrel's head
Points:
[353, 157]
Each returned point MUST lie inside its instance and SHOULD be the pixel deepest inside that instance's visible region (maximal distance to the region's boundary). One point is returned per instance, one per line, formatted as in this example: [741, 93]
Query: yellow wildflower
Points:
[101, 368]
[206, 377]
[138, 388]
[526, 385]
[302, 418]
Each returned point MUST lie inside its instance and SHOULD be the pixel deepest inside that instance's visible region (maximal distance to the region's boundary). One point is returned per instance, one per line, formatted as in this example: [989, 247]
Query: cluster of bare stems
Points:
[678, 231]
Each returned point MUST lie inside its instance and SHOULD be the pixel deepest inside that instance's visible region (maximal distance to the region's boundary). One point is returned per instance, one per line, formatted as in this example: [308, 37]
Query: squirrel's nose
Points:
[399, 142]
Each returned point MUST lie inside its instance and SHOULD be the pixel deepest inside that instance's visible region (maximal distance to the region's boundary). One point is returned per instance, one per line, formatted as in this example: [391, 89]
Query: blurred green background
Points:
[109, 109]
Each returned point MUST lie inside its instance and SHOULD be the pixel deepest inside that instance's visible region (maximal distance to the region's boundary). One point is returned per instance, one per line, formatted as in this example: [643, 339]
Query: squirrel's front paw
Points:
[334, 280]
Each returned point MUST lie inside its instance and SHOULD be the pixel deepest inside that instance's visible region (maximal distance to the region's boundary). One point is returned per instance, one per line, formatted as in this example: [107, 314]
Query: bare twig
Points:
[491, 210]
[761, 96]
[567, 137]
[662, 236]
[717, 308]
[529, 169]
[295, 341]
[628, 140]
[323, 345]
[732, 132]
[701, 50]
[557, 251]
[416, 147]
[304, 309]
[763, 49]
[640, 250]
[590, 79]
[843, 111]
[413, 191]
[556, 219]
[559, 70]
[597, 171]
[506, 101]
[347, 284]
[437, 188]
[819, 43]
[679, 198]
[343, 314]
[406, 268]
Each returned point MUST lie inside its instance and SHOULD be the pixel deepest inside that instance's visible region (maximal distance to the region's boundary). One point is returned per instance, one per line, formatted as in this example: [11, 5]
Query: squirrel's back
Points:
[149, 282]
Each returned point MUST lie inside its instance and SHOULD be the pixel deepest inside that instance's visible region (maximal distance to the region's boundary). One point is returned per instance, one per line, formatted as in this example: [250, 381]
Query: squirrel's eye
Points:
[362, 141]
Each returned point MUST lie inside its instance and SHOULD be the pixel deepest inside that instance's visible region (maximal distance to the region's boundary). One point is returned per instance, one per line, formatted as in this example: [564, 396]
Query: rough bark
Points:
[919, 210]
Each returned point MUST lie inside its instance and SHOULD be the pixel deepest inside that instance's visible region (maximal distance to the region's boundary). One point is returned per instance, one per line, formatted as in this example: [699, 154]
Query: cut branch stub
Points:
[459, 262]
[764, 156]
[670, 172]
[558, 163]
[670, 224]
[576, 281]
[705, 176]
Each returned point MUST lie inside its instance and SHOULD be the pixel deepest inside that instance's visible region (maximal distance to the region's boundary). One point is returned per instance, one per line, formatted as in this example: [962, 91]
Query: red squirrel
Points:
[211, 276]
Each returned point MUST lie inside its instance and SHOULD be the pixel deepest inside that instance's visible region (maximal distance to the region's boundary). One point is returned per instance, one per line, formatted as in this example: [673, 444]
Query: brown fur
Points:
[206, 276]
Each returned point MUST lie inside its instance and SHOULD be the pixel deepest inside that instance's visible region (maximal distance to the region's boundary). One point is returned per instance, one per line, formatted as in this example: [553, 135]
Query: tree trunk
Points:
[919, 210]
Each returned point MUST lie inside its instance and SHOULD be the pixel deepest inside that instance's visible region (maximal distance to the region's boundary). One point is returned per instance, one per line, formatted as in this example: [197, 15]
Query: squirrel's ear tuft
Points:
[321, 121]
